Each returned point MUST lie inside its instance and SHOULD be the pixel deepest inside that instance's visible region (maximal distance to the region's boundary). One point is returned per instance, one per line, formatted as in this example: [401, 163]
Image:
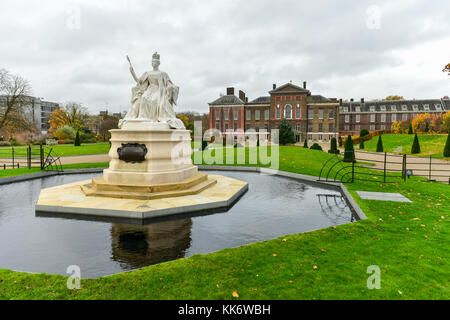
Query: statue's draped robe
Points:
[152, 99]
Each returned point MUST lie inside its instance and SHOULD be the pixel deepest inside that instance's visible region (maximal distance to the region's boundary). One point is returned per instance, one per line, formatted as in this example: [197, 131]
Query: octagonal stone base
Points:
[70, 198]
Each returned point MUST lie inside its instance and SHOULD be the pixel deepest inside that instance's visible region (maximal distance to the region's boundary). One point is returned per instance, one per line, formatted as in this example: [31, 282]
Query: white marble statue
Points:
[153, 97]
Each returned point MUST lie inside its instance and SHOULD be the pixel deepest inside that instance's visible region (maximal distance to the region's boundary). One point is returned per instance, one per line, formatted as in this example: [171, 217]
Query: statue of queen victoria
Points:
[153, 97]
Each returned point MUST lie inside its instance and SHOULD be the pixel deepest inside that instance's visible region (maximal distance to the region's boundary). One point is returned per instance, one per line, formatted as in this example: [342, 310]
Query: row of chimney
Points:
[230, 91]
[274, 86]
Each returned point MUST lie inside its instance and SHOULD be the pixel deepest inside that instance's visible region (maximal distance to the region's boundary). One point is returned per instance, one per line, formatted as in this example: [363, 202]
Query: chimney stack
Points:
[340, 102]
[230, 91]
[362, 100]
[351, 100]
[242, 95]
[304, 84]
[274, 86]
[246, 99]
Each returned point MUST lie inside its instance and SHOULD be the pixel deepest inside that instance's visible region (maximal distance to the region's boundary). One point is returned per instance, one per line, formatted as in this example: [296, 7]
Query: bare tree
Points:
[14, 95]
[77, 115]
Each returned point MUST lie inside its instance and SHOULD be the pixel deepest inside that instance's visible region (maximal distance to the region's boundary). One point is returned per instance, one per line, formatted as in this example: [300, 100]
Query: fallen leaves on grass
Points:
[235, 294]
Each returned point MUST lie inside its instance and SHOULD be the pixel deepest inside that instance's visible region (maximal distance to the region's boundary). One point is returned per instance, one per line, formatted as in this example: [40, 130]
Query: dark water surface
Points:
[273, 207]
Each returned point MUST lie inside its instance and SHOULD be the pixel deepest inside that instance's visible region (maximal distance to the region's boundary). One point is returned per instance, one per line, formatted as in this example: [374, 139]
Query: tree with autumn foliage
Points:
[394, 98]
[447, 69]
[73, 115]
[419, 123]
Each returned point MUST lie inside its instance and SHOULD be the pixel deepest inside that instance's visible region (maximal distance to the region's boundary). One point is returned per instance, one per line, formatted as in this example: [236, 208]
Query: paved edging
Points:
[313, 180]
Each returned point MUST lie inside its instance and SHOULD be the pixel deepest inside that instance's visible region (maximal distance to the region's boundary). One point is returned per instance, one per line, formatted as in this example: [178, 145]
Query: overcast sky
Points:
[75, 50]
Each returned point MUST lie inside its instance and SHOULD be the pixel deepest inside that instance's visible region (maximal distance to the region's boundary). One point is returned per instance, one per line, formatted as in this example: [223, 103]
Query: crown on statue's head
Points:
[155, 56]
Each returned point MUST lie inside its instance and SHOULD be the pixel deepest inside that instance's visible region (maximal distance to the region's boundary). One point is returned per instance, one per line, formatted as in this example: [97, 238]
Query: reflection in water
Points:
[140, 246]
[49, 242]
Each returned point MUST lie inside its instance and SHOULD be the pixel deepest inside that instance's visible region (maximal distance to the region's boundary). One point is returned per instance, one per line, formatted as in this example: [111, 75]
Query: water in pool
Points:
[40, 242]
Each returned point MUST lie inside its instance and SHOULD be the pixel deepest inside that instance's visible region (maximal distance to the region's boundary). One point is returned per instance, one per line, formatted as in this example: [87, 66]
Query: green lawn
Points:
[408, 241]
[64, 149]
[429, 144]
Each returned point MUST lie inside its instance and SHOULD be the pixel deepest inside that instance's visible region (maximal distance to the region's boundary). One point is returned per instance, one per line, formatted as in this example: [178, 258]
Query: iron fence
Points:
[30, 157]
[385, 167]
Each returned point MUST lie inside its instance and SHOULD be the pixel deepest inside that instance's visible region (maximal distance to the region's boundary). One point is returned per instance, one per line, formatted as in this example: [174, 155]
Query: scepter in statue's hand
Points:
[132, 70]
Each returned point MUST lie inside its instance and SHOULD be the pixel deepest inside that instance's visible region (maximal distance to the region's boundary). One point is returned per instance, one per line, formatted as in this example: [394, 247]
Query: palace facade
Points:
[312, 116]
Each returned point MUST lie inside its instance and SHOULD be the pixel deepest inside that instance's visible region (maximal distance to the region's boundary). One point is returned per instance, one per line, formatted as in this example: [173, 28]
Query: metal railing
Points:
[384, 167]
[30, 157]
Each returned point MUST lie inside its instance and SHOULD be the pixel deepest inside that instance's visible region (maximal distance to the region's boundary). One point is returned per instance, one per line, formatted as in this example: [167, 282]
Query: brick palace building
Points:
[379, 115]
[310, 115]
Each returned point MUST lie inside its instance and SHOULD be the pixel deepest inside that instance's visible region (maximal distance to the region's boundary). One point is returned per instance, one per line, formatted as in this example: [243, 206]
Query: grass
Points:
[63, 149]
[408, 241]
[429, 144]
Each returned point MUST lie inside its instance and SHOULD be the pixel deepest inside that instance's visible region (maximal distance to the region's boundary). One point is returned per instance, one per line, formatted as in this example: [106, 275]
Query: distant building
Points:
[312, 116]
[380, 114]
[36, 110]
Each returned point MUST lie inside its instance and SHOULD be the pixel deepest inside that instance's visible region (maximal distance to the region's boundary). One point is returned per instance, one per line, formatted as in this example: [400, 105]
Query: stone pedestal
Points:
[166, 155]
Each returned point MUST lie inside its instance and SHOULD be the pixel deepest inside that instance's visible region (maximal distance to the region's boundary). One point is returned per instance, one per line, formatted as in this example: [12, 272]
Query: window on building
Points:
[257, 127]
[404, 107]
[288, 111]
[320, 127]
[372, 108]
[236, 114]
[438, 106]
[415, 107]
[248, 115]
[372, 127]
[310, 114]
[278, 112]
[383, 118]
[310, 128]
[257, 114]
[358, 118]
[357, 127]
[226, 126]
[330, 127]
[383, 107]
[372, 118]
[321, 114]
[404, 117]
[426, 107]
[358, 109]
[394, 118]
[266, 127]
[297, 112]
[393, 107]
[227, 114]
[330, 113]
[298, 127]
[347, 118]
[217, 115]
[320, 138]
[345, 109]
[247, 127]
[217, 126]
[346, 127]
[266, 114]
[235, 126]
[383, 127]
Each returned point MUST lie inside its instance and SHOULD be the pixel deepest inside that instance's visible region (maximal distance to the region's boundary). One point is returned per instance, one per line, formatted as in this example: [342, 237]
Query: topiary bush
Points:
[447, 146]
[349, 154]
[410, 131]
[333, 146]
[305, 145]
[364, 132]
[77, 140]
[286, 133]
[416, 146]
[316, 146]
[380, 144]
[361, 144]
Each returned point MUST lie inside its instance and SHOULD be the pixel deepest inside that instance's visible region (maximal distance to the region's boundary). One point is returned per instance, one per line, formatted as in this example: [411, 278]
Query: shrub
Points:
[349, 154]
[333, 146]
[305, 144]
[61, 142]
[380, 145]
[204, 144]
[416, 146]
[65, 133]
[286, 133]
[447, 146]
[364, 132]
[340, 142]
[316, 146]
[410, 131]
[77, 140]
[4, 143]
[361, 144]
